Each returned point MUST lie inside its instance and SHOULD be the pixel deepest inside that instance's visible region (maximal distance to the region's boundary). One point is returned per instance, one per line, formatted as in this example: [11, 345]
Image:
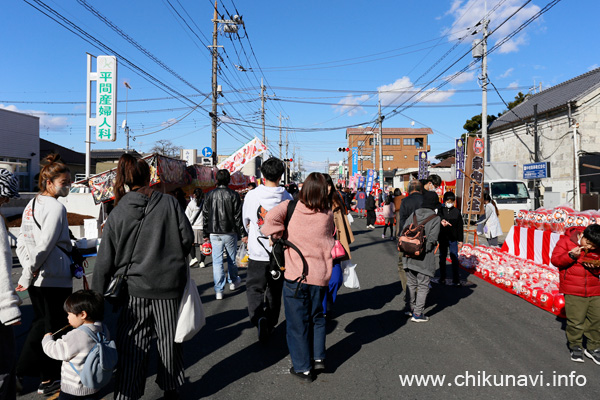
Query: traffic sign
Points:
[536, 170]
[207, 152]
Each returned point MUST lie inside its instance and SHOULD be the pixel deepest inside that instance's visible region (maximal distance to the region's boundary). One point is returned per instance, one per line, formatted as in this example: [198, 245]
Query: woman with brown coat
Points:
[344, 235]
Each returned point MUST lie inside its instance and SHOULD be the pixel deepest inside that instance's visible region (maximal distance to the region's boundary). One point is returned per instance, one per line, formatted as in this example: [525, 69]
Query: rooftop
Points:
[390, 131]
[553, 98]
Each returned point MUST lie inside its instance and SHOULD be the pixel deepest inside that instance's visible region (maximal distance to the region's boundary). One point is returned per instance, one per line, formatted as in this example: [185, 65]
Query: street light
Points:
[125, 126]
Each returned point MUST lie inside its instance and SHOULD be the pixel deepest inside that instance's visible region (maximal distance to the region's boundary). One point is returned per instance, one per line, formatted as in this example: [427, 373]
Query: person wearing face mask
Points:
[41, 246]
[451, 237]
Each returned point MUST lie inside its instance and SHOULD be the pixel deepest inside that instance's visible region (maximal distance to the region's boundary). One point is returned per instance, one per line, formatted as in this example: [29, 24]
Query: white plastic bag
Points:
[350, 218]
[191, 312]
[241, 257]
[350, 277]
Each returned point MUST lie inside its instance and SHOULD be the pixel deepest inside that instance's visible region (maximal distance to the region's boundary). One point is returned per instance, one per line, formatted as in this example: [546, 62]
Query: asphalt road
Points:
[477, 335]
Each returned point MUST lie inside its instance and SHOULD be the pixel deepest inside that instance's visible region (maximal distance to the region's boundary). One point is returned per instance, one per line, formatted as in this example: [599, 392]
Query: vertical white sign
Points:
[106, 99]
[190, 156]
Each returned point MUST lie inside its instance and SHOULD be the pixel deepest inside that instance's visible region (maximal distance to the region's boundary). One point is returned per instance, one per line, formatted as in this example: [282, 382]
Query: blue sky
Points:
[335, 52]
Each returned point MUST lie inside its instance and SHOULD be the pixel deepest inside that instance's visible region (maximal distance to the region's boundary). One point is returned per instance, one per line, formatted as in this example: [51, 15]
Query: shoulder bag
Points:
[116, 293]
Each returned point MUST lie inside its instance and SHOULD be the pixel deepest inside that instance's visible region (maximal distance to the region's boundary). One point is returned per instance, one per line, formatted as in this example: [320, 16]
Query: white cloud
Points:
[46, 121]
[513, 85]
[351, 105]
[169, 122]
[467, 14]
[403, 89]
[592, 67]
[462, 78]
[506, 73]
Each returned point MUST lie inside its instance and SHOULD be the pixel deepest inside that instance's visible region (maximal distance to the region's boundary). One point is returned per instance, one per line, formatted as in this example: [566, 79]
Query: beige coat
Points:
[344, 232]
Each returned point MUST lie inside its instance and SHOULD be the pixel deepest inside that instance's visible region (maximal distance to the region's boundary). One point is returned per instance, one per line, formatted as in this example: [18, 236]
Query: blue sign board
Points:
[207, 152]
[370, 180]
[536, 170]
[355, 160]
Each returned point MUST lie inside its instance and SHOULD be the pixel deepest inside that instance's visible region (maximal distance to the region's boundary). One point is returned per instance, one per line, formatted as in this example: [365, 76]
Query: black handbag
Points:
[116, 293]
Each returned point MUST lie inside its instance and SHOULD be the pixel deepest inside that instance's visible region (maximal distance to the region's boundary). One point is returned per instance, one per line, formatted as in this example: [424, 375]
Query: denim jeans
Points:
[305, 323]
[229, 242]
[453, 248]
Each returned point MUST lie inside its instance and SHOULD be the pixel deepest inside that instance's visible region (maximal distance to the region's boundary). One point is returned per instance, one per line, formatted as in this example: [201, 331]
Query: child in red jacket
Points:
[580, 283]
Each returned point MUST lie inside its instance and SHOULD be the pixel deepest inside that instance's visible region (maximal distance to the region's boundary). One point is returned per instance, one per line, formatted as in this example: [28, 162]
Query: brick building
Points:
[401, 147]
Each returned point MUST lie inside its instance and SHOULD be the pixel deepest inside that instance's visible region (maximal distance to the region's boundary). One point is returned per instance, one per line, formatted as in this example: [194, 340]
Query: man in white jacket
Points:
[264, 292]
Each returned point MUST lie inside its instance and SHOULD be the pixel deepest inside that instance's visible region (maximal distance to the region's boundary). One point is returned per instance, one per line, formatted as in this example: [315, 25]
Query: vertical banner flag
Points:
[106, 99]
[459, 153]
[361, 182]
[423, 165]
[473, 186]
[370, 180]
[354, 160]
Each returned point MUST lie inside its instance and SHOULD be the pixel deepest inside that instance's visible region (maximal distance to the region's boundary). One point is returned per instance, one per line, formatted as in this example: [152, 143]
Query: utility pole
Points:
[287, 157]
[293, 159]
[262, 109]
[230, 26]
[374, 139]
[486, 153]
[536, 157]
[280, 142]
[215, 60]
[381, 181]
[126, 122]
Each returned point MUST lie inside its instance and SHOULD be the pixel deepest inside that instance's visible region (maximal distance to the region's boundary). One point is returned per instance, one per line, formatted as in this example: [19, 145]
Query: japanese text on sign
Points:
[106, 99]
[473, 192]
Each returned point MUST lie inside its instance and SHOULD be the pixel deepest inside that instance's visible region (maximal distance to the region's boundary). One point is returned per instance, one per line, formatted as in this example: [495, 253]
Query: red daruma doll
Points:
[559, 219]
[520, 218]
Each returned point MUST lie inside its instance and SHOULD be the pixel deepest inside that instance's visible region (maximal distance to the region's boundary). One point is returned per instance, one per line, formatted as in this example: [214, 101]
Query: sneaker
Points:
[319, 365]
[201, 265]
[435, 280]
[408, 313]
[577, 354]
[263, 330]
[49, 388]
[235, 284]
[194, 262]
[219, 295]
[305, 376]
[383, 236]
[594, 355]
[419, 318]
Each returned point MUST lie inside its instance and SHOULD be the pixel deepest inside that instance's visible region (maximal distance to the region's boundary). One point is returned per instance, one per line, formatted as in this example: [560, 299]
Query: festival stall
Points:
[167, 172]
[523, 266]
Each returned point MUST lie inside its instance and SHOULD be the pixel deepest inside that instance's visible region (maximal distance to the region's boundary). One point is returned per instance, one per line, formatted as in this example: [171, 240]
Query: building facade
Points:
[571, 107]
[401, 148]
[20, 143]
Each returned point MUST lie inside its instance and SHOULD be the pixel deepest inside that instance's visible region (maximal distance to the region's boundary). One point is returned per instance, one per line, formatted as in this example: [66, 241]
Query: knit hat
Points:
[430, 200]
[9, 184]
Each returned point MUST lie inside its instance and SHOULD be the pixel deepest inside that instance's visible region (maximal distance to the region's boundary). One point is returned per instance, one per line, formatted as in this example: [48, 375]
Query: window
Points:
[396, 142]
[364, 158]
[360, 143]
[419, 143]
[388, 158]
[371, 142]
[391, 142]
[417, 157]
[409, 142]
[387, 142]
[21, 172]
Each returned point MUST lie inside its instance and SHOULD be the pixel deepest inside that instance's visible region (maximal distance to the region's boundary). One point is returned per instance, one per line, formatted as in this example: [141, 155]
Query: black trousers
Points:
[8, 362]
[137, 321]
[263, 292]
[371, 217]
[48, 316]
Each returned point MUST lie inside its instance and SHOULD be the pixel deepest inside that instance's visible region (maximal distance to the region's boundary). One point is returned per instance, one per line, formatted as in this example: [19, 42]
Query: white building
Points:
[20, 142]
[571, 106]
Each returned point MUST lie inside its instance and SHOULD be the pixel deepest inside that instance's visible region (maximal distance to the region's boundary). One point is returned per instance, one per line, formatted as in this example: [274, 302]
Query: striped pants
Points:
[137, 321]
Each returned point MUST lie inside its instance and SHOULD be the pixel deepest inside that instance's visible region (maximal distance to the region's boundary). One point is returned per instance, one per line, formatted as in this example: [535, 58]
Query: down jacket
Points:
[575, 279]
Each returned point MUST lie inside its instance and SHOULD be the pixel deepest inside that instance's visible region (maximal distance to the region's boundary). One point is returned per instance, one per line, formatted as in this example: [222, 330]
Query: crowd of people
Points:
[149, 234]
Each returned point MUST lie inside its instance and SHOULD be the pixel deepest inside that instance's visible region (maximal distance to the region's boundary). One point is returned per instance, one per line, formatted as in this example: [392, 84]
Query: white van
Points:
[509, 194]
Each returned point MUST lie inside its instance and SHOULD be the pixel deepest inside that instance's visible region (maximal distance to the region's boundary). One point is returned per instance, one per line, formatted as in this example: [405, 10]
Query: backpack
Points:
[412, 240]
[100, 362]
